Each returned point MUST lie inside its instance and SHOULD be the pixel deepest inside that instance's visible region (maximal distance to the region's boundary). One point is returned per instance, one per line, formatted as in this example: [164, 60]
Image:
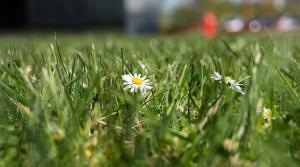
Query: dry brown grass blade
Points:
[211, 112]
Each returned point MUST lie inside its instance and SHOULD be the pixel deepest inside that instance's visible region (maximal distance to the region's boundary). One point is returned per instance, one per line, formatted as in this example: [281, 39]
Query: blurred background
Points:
[211, 17]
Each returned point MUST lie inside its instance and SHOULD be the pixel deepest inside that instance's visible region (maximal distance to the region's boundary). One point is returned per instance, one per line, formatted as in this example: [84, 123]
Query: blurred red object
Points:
[209, 25]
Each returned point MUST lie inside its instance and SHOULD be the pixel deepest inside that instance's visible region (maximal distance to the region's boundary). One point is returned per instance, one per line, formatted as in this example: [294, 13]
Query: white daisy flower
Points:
[234, 85]
[136, 83]
[267, 125]
[267, 113]
[216, 76]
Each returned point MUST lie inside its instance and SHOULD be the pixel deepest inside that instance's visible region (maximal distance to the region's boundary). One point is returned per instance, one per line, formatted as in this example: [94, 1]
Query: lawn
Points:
[63, 101]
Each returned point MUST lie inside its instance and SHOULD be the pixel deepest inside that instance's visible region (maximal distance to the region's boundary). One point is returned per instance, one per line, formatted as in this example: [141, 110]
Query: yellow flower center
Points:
[269, 113]
[227, 79]
[137, 81]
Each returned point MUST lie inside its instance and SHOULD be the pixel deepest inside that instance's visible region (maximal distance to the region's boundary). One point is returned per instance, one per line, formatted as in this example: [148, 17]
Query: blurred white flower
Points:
[136, 83]
[234, 85]
[216, 76]
[267, 113]
[267, 125]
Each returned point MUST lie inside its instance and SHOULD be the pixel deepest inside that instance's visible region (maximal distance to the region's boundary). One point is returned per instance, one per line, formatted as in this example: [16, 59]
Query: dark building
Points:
[15, 14]
[12, 14]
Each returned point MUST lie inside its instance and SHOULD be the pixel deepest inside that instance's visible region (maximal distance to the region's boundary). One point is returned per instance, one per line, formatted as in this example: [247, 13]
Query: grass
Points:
[63, 103]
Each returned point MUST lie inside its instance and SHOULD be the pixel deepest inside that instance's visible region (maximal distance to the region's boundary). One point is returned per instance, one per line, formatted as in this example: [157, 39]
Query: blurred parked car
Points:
[287, 23]
[235, 24]
[259, 23]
